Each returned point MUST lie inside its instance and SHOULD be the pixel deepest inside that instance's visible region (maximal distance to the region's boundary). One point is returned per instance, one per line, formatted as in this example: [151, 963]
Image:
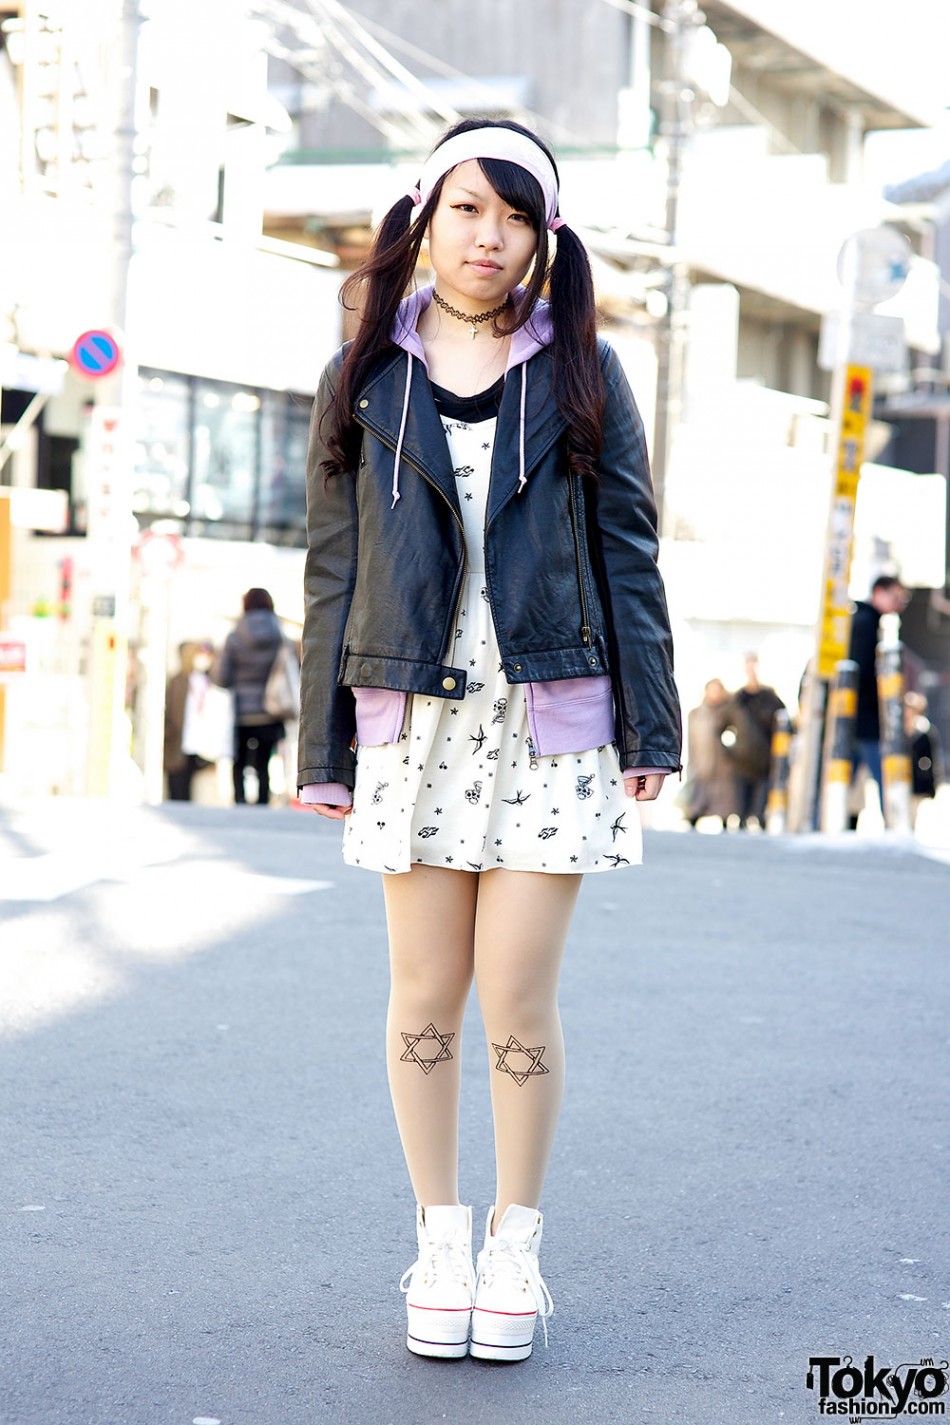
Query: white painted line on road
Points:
[934, 853]
[33, 1207]
[909, 1296]
[286, 885]
[205, 1420]
[55, 874]
[58, 873]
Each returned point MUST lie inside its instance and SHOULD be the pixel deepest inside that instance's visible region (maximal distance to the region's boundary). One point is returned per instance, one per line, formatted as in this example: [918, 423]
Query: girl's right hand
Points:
[335, 813]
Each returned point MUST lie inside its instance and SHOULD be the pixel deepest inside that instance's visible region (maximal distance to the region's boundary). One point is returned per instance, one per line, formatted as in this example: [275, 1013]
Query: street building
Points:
[204, 211]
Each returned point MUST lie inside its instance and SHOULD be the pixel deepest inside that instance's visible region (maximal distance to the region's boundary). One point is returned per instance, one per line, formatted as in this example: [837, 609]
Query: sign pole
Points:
[872, 266]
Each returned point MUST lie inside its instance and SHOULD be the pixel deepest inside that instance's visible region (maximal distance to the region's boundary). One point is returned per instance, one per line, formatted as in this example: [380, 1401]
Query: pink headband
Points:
[492, 143]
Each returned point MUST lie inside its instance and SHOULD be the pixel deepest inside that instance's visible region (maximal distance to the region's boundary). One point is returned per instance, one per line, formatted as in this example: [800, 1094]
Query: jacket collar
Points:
[423, 439]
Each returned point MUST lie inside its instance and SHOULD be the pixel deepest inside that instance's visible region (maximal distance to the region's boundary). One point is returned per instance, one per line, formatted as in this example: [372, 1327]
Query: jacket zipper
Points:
[457, 591]
[585, 622]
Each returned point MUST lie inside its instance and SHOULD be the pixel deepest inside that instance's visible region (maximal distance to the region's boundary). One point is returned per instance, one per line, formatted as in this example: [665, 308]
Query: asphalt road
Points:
[205, 1213]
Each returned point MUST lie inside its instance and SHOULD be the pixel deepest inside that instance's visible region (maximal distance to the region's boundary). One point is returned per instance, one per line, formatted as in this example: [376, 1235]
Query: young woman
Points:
[487, 686]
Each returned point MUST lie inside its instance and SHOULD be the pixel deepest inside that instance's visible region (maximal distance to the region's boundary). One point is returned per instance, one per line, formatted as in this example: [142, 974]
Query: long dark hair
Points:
[387, 276]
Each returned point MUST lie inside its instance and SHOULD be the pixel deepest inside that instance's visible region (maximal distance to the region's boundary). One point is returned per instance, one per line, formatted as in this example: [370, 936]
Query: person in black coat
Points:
[243, 666]
[888, 596]
[747, 738]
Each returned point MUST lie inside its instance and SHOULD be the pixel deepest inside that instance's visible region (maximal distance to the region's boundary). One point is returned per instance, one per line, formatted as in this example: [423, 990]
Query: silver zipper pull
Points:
[533, 763]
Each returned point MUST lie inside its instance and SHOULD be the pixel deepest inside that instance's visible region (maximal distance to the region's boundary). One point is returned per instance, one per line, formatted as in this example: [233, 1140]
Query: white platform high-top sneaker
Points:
[440, 1284]
[510, 1294]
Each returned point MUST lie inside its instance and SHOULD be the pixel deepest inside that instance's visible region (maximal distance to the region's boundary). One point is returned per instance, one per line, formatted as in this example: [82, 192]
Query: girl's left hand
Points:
[645, 789]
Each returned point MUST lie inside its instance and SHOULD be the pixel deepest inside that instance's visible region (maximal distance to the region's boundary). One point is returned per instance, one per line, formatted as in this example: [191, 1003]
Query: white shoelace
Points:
[511, 1262]
[445, 1255]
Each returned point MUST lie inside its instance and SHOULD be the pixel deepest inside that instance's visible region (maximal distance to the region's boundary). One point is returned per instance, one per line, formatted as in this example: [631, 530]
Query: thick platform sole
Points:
[443, 1334]
[502, 1336]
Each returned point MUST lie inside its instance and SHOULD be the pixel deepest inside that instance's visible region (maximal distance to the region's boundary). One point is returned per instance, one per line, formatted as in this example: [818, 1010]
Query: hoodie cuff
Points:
[331, 794]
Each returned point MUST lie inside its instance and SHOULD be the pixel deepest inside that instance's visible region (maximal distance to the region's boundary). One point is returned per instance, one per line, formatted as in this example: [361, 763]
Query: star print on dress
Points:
[421, 1048]
[462, 812]
[526, 1061]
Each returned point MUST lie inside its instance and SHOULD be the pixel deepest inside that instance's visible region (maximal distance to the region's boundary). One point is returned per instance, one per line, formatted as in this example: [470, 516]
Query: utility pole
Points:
[681, 19]
[110, 447]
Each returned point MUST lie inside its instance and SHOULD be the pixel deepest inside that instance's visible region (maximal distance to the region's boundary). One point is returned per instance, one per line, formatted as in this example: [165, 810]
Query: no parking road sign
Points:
[94, 354]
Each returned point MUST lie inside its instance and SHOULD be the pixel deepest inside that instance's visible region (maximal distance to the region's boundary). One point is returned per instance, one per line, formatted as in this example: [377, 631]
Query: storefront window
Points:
[282, 511]
[227, 425]
[228, 462]
[162, 451]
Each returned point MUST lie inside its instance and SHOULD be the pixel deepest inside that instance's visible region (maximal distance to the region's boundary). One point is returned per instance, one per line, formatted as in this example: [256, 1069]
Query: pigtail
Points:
[375, 291]
[578, 378]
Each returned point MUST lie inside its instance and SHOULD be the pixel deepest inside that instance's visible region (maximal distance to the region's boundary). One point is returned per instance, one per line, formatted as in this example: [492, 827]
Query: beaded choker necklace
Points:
[464, 316]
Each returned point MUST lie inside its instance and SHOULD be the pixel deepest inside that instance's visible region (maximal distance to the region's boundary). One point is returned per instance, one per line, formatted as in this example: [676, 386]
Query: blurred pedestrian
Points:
[244, 665]
[185, 695]
[888, 596]
[465, 596]
[709, 787]
[747, 737]
[926, 754]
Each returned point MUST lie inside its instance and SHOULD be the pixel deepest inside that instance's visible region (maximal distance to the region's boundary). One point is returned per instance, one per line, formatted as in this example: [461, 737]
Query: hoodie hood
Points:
[534, 336]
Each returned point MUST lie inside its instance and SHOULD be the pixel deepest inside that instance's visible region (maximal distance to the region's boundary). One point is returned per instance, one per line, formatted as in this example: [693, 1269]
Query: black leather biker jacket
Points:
[571, 569]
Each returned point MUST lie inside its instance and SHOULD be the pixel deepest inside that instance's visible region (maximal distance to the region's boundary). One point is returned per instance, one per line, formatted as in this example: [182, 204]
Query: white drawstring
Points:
[522, 477]
[402, 430]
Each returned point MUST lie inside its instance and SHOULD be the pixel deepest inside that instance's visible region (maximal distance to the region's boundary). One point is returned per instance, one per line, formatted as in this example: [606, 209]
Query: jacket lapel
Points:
[424, 444]
[543, 426]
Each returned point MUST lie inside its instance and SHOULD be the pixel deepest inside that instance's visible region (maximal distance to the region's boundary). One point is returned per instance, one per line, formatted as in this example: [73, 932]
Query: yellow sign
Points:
[835, 617]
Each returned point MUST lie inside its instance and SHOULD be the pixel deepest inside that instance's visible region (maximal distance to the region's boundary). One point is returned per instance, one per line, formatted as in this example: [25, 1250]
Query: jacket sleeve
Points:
[327, 710]
[649, 726]
[222, 674]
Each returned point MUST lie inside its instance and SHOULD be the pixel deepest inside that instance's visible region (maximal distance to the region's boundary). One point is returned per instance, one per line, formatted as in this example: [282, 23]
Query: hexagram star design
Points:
[428, 1037]
[520, 1076]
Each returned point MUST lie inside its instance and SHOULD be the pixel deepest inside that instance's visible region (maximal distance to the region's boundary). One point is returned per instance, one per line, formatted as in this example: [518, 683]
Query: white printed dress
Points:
[462, 787]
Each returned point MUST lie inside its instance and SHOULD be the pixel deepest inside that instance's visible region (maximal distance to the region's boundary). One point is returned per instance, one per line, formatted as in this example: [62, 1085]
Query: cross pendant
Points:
[474, 330]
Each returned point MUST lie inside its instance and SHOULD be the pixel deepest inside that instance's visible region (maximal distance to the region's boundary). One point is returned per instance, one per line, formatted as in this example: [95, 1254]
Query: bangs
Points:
[515, 186]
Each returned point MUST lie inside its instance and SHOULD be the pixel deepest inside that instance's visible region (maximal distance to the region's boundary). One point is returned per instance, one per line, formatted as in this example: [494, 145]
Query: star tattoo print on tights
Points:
[427, 1048]
[518, 1062]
